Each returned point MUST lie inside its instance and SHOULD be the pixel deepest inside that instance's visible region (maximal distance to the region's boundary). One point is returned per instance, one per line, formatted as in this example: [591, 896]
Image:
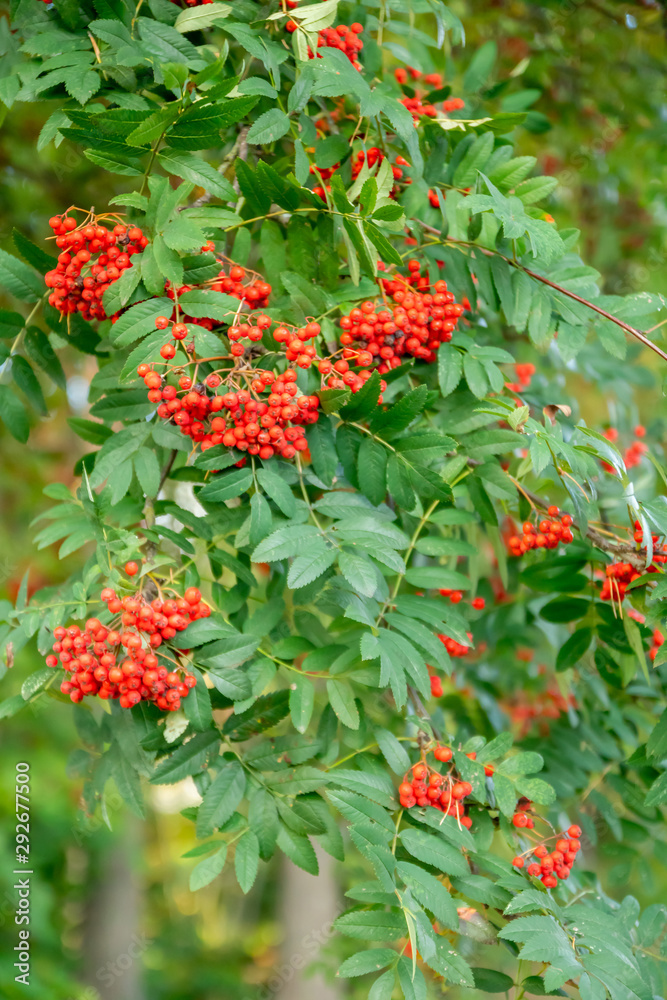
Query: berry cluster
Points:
[547, 534]
[657, 640]
[80, 279]
[524, 372]
[371, 157]
[414, 104]
[255, 291]
[456, 596]
[633, 454]
[424, 785]
[230, 280]
[549, 866]
[238, 418]
[620, 575]
[343, 37]
[416, 325]
[341, 376]
[544, 707]
[453, 647]
[119, 660]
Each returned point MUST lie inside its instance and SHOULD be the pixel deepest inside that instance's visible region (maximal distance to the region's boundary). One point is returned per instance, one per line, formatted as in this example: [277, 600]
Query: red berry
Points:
[131, 568]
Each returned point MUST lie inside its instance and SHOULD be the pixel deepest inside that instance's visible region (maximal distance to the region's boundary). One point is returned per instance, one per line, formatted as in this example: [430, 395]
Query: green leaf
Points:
[226, 486]
[197, 705]
[139, 320]
[13, 414]
[359, 572]
[221, 799]
[371, 925]
[393, 752]
[187, 759]
[400, 415]
[307, 568]
[492, 981]
[272, 125]
[19, 279]
[278, 490]
[430, 892]
[299, 850]
[165, 43]
[33, 254]
[28, 383]
[263, 820]
[41, 353]
[301, 701]
[370, 960]
[372, 470]
[201, 17]
[191, 168]
[341, 699]
[154, 126]
[208, 869]
[363, 402]
[434, 851]
[246, 860]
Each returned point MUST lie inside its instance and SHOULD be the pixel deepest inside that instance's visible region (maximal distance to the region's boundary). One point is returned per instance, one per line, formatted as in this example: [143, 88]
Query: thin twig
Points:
[637, 334]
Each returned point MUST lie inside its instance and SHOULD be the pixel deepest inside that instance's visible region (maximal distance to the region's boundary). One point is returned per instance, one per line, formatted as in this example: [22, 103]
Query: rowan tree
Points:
[347, 554]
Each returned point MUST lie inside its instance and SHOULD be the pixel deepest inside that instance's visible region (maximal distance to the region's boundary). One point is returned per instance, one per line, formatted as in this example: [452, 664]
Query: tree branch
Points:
[637, 334]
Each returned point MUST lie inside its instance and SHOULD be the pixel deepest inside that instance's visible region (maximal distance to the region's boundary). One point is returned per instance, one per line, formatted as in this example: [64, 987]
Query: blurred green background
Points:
[112, 915]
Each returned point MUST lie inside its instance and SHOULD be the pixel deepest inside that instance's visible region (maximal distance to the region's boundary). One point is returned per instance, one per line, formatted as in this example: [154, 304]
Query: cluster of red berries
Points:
[453, 647]
[118, 660]
[343, 37]
[633, 454]
[80, 279]
[620, 575]
[547, 534]
[341, 376]
[373, 156]
[423, 785]
[230, 280]
[657, 640]
[256, 291]
[542, 708]
[456, 596]
[237, 418]
[524, 372]
[415, 105]
[415, 326]
[549, 866]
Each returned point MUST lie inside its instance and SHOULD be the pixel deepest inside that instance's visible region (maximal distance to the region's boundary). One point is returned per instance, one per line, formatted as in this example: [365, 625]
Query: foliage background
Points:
[592, 75]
